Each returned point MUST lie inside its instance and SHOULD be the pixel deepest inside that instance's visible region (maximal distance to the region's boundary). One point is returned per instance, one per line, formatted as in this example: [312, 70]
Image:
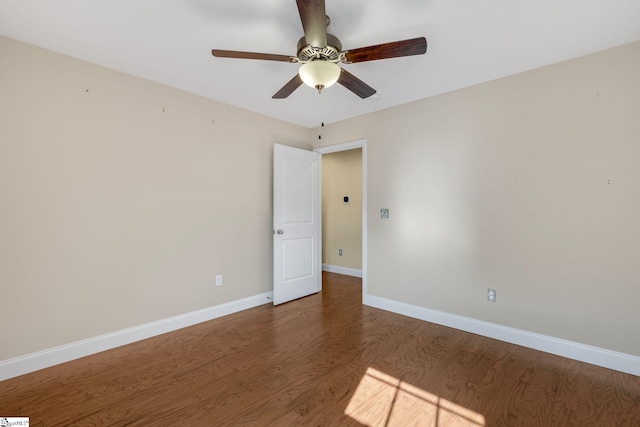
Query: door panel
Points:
[296, 223]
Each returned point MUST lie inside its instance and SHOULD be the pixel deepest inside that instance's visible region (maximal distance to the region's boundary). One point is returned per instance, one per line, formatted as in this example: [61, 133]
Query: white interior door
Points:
[296, 224]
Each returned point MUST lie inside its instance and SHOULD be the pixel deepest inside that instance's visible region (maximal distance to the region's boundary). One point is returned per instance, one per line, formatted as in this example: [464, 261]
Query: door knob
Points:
[280, 231]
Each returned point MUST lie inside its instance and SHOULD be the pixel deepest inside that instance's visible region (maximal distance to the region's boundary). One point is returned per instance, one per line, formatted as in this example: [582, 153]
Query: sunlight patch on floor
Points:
[382, 400]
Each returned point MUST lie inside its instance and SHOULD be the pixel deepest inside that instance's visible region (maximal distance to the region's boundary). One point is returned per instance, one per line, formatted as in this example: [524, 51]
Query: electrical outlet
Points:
[491, 295]
[340, 252]
[219, 280]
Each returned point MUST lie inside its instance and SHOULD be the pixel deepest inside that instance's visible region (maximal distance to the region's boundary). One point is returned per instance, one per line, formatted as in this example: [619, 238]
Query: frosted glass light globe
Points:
[319, 74]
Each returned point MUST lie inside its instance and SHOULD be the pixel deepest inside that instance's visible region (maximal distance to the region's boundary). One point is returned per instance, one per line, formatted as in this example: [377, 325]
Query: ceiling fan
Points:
[319, 53]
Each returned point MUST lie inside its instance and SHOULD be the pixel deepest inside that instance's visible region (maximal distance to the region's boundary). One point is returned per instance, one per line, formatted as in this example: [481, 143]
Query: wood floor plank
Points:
[323, 360]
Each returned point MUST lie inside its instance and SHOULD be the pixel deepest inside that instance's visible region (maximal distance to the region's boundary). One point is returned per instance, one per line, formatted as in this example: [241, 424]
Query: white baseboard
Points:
[43, 359]
[594, 355]
[585, 353]
[342, 270]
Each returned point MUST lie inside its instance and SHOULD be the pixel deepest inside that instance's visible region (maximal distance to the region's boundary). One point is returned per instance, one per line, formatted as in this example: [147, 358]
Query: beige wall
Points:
[529, 185]
[342, 223]
[121, 199]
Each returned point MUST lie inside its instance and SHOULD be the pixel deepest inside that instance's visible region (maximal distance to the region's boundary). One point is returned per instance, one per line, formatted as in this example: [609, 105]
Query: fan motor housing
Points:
[331, 52]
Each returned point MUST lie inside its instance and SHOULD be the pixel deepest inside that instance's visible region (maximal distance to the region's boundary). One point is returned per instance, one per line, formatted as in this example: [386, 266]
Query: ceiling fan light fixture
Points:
[319, 74]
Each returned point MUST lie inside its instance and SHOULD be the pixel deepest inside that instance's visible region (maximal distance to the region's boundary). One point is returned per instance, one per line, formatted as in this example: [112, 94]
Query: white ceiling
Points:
[469, 42]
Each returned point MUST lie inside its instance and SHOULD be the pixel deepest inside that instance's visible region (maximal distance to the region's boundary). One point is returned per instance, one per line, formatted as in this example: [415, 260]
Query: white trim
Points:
[585, 353]
[352, 145]
[43, 359]
[342, 270]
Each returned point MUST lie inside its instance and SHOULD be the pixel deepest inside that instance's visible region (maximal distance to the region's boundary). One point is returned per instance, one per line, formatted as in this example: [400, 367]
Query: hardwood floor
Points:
[323, 360]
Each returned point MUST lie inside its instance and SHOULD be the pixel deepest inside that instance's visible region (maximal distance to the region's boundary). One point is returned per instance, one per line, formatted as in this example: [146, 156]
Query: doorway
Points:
[347, 207]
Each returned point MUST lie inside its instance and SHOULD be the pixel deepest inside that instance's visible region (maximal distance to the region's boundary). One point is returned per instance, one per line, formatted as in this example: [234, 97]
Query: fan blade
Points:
[417, 46]
[355, 85]
[251, 55]
[288, 89]
[314, 21]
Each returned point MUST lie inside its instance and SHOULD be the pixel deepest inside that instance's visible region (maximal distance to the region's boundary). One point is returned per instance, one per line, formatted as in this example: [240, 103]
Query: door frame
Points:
[352, 145]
